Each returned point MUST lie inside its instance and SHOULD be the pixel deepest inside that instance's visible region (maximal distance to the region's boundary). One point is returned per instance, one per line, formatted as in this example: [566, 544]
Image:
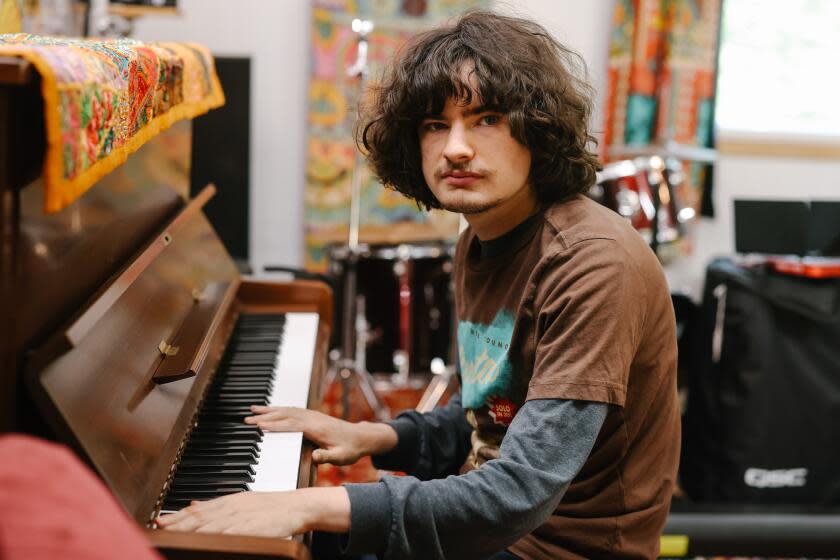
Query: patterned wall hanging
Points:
[661, 81]
[386, 216]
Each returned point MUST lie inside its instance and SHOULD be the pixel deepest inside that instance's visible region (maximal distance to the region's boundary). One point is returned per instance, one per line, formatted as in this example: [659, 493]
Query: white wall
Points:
[276, 34]
[582, 26]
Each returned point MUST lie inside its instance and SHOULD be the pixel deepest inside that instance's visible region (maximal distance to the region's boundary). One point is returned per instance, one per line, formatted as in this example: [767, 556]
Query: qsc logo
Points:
[779, 478]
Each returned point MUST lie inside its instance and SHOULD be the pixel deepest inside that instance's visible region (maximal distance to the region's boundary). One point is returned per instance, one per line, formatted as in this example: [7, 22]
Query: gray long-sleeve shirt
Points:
[479, 513]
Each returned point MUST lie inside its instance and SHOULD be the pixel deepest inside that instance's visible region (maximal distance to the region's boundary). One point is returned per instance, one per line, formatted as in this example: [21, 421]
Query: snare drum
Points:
[405, 297]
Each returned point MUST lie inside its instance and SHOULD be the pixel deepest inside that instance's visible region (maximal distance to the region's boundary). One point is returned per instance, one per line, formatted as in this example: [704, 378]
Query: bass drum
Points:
[404, 293]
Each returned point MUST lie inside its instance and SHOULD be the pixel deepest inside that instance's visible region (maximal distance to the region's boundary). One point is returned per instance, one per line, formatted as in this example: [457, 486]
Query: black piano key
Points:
[231, 441]
[218, 458]
[254, 347]
[240, 384]
[220, 431]
[236, 369]
[231, 475]
[253, 398]
[201, 462]
[261, 387]
[220, 428]
[207, 447]
[207, 436]
[223, 425]
[224, 441]
[244, 429]
[235, 399]
[235, 416]
[215, 469]
[241, 375]
[212, 478]
[172, 504]
[216, 450]
[244, 378]
[238, 439]
[199, 495]
[227, 426]
[239, 393]
[239, 453]
[228, 409]
[185, 486]
[238, 373]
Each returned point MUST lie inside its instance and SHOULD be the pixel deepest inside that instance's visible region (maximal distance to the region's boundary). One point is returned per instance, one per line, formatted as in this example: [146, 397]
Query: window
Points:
[779, 68]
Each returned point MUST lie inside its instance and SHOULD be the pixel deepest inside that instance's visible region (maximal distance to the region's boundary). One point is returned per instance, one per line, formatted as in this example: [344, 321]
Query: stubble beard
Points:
[468, 208]
[465, 206]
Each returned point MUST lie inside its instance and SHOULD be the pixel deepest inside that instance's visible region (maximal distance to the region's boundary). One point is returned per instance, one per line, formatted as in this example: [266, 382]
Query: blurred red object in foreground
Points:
[52, 506]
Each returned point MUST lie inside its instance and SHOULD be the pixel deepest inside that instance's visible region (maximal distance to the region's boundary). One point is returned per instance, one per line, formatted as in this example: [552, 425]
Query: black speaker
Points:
[221, 153]
[788, 227]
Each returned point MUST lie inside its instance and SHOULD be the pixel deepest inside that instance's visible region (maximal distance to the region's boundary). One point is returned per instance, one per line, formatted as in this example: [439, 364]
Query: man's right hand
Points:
[339, 442]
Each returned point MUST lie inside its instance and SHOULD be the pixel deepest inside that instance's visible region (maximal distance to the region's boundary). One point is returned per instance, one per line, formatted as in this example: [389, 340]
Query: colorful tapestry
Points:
[661, 82]
[386, 216]
[103, 99]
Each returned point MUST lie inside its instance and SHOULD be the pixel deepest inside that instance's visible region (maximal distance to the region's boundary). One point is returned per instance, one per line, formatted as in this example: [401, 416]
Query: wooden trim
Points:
[785, 148]
[15, 71]
[173, 544]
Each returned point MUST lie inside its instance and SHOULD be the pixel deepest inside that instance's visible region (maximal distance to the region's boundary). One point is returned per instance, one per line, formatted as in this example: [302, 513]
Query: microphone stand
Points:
[351, 360]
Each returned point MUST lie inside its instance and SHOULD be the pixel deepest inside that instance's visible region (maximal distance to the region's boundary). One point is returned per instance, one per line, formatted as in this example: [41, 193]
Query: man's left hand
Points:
[265, 514]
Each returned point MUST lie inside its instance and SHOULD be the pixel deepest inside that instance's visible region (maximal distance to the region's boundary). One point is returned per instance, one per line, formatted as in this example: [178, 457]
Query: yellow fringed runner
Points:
[103, 99]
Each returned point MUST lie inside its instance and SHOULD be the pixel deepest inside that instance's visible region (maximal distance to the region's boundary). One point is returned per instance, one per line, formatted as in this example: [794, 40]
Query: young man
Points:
[566, 431]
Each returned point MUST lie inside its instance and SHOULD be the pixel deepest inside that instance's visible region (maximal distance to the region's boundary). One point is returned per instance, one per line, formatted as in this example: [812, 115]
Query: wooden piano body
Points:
[95, 298]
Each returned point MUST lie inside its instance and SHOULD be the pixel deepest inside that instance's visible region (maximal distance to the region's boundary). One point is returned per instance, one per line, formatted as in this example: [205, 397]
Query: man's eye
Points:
[490, 119]
[433, 126]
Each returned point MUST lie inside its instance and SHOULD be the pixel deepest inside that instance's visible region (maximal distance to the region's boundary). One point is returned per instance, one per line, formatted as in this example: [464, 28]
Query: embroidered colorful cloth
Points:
[103, 99]
[661, 81]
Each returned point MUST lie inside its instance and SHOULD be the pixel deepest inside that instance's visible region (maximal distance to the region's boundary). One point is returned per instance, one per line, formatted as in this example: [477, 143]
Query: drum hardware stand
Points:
[437, 386]
[442, 373]
[349, 361]
[655, 180]
[401, 357]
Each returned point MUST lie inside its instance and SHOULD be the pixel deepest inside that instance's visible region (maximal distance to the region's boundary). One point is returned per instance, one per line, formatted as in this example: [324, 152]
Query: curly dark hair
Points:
[520, 70]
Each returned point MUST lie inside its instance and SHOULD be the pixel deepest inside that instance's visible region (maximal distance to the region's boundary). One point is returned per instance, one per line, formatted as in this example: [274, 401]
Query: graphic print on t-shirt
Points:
[486, 373]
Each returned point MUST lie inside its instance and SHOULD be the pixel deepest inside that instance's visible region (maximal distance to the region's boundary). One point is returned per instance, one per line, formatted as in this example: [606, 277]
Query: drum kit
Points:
[645, 190]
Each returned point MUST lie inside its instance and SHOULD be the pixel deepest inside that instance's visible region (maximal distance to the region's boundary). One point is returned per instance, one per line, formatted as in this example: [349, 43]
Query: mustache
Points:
[440, 172]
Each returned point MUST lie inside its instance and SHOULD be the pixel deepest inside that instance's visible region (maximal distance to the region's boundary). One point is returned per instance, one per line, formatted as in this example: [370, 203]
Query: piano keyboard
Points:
[268, 361]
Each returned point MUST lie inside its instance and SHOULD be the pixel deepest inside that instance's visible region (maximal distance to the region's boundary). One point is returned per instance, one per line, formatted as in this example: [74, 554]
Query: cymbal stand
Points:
[351, 360]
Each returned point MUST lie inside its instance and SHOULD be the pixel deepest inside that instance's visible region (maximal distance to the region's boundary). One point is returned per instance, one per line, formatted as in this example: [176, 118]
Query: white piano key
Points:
[277, 469]
[294, 364]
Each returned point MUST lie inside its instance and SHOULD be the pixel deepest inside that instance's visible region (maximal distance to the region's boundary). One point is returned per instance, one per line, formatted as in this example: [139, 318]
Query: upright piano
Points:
[129, 335]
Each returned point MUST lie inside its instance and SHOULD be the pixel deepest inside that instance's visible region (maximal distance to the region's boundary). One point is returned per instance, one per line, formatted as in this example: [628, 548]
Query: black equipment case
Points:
[762, 424]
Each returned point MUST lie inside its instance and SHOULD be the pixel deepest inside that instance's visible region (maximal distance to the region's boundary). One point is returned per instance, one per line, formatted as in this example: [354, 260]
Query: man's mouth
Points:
[461, 178]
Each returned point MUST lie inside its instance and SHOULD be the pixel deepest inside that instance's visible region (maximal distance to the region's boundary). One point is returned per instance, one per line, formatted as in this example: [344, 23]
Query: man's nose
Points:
[458, 148]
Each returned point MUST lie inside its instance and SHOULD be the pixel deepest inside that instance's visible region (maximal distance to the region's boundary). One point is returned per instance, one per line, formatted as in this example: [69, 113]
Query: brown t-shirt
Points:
[577, 307]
